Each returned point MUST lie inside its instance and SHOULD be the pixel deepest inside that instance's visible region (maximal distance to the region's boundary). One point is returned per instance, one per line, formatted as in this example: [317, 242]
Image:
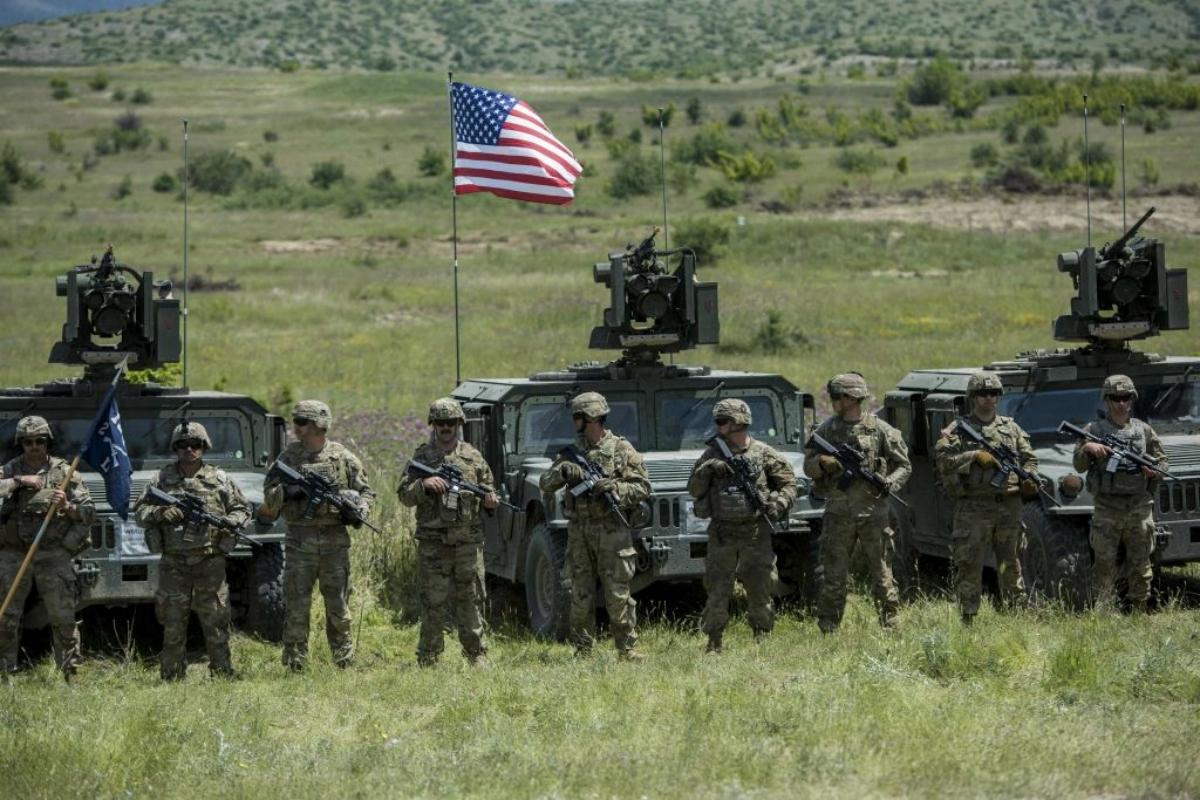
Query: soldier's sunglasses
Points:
[1121, 398]
[989, 393]
[189, 444]
[722, 421]
[445, 423]
[35, 440]
[300, 423]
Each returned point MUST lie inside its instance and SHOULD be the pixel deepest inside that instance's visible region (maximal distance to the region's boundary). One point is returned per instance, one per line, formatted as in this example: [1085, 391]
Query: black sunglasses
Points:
[35, 440]
[300, 423]
[722, 421]
[445, 423]
[1121, 398]
[189, 444]
[989, 393]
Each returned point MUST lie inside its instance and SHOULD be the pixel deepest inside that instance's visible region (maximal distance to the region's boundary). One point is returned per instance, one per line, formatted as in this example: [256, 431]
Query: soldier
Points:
[1124, 498]
[29, 486]
[192, 570]
[599, 544]
[857, 512]
[739, 539]
[449, 536]
[985, 516]
[316, 549]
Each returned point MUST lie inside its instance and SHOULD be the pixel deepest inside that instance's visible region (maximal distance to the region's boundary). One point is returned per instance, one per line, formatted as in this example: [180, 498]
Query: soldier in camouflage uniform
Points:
[984, 516]
[739, 539]
[192, 569]
[28, 487]
[1124, 498]
[856, 513]
[599, 544]
[449, 536]
[316, 549]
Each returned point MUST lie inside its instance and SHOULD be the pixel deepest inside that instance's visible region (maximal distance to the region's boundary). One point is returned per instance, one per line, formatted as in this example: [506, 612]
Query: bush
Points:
[218, 171]
[326, 173]
[431, 162]
[737, 118]
[650, 115]
[705, 147]
[695, 110]
[606, 124]
[122, 189]
[747, 168]
[98, 82]
[118, 95]
[270, 136]
[55, 141]
[1148, 173]
[583, 133]
[141, 97]
[858, 162]
[934, 83]
[721, 196]
[984, 154]
[636, 175]
[681, 176]
[59, 88]
[707, 237]
[354, 206]
[164, 183]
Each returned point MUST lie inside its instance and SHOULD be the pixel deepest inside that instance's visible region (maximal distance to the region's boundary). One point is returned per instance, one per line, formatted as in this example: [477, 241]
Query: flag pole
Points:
[50, 512]
[454, 224]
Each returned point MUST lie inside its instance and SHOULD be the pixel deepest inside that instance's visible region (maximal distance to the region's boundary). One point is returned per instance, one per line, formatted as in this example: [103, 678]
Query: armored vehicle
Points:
[140, 320]
[1125, 293]
[665, 410]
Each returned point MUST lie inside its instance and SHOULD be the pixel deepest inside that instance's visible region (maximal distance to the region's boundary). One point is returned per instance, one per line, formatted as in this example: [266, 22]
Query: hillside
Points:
[589, 37]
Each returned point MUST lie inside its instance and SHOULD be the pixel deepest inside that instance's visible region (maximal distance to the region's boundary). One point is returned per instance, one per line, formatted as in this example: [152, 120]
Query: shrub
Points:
[431, 162]
[327, 173]
[650, 115]
[694, 110]
[934, 83]
[984, 154]
[635, 175]
[270, 136]
[55, 141]
[1148, 172]
[681, 176]
[59, 88]
[141, 97]
[705, 147]
[98, 82]
[122, 189]
[606, 124]
[747, 168]
[118, 95]
[721, 196]
[858, 162]
[354, 206]
[737, 118]
[127, 133]
[218, 171]
[706, 236]
[164, 183]
[583, 133]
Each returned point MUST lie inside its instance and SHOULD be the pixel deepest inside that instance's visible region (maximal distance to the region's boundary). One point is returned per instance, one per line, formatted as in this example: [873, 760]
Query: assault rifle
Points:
[194, 513]
[1006, 458]
[1121, 452]
[319, 489]
[592, 474]
[743, 480]
[453, 476]
[853, 463]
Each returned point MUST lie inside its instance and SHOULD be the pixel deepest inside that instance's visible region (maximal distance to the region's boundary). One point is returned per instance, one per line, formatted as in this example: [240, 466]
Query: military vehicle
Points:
[114, 312]
[1123, 293]
[519, 424]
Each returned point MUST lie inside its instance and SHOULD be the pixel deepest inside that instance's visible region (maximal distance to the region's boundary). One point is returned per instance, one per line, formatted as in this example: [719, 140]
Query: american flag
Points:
[502, 146]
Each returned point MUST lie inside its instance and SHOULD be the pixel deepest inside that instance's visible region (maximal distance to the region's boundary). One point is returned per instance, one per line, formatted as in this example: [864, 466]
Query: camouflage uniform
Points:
[1124, 512]
[192, 568]
[599, 545]
[22, 513]
[317, 549]
[856, 513]
[449, 544]
[739, 541]
[983, 516]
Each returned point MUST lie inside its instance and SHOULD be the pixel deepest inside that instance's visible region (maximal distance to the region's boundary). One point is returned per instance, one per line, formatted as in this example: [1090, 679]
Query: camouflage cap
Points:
[1119, 384]
[591, 404]
[190, 430]
[851, 384]
[734, 409]
[32, 426]
[446, 408]
[313, 411]
[982, 381]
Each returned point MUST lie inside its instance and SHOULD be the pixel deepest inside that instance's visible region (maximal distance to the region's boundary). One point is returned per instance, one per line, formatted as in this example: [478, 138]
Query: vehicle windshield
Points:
[147, 439]
[1044, 410]
[548, 427]
[685, 418]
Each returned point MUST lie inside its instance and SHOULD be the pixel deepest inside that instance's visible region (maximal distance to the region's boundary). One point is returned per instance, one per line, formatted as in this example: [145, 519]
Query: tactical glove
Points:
[293, 492]
[1096, 451]
[830, 465]
[571, 472]
[986, 460]
[171, 514]
[603, 486]
[718, 468]
[1029, 489]
[777, 506]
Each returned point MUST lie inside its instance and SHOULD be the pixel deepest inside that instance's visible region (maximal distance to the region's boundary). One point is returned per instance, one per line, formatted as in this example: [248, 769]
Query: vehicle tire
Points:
[547, 585]
[1057, 560]
[264, 593]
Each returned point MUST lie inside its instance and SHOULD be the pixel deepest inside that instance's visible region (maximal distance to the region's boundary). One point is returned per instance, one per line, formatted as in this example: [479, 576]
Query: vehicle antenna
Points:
[1087, 172]
[184, 312]
[1123, 226]
[662, 174]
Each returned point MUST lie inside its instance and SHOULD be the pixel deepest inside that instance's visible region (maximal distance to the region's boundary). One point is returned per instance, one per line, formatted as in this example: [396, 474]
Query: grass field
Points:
[357, 310]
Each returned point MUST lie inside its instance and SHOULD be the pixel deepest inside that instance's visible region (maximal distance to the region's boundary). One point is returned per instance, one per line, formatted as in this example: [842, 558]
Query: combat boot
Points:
[583, 651]
[887, 618]
[630, 655]
[968, 620]
[479, 659]
[827, 626]
[714, 643]
[223, 672]
[425, 660]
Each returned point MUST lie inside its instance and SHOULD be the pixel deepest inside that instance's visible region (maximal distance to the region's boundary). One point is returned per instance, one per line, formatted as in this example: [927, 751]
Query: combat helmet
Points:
[32, 426]
[1119, 384]
[313, 411]
[850, 384]
[734, 409]
[590, 404]
[445, 408]
[190, 430]
[982, 381]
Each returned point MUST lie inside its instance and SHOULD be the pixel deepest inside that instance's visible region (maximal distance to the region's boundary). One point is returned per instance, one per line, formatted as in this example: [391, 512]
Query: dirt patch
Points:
[300, 245]
[1175, 214]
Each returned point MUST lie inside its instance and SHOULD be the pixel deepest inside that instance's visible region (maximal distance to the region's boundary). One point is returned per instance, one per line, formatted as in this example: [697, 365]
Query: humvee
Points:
[665, 410]
[140, 320]
[1125, 293]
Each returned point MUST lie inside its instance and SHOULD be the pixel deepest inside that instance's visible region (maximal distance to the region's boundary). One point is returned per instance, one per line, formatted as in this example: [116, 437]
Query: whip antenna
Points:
[1087, 172]
[185, 252]
[662, 175]
[1123, 226]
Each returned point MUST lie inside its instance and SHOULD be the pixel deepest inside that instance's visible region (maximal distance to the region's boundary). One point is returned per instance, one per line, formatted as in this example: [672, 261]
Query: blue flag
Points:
[105, 451]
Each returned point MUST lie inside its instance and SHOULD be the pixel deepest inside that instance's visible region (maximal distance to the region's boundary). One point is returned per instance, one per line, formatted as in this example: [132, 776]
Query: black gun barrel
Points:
[1121, 450]
[1114, 250]
[743, 482]
[453, 476]
[852, 461]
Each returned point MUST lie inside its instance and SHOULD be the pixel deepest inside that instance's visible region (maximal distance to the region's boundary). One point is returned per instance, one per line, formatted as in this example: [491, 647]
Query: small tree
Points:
[695, 110]
[431, 162]
[326, 173]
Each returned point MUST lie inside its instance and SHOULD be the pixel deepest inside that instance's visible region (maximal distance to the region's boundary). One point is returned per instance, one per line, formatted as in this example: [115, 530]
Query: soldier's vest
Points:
[977, 481]
[23, 511]
[864, 436]
[609, 455]
[330, 465]
[452, 509]
[1128, 479]
[193, 539]
[728, 503]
